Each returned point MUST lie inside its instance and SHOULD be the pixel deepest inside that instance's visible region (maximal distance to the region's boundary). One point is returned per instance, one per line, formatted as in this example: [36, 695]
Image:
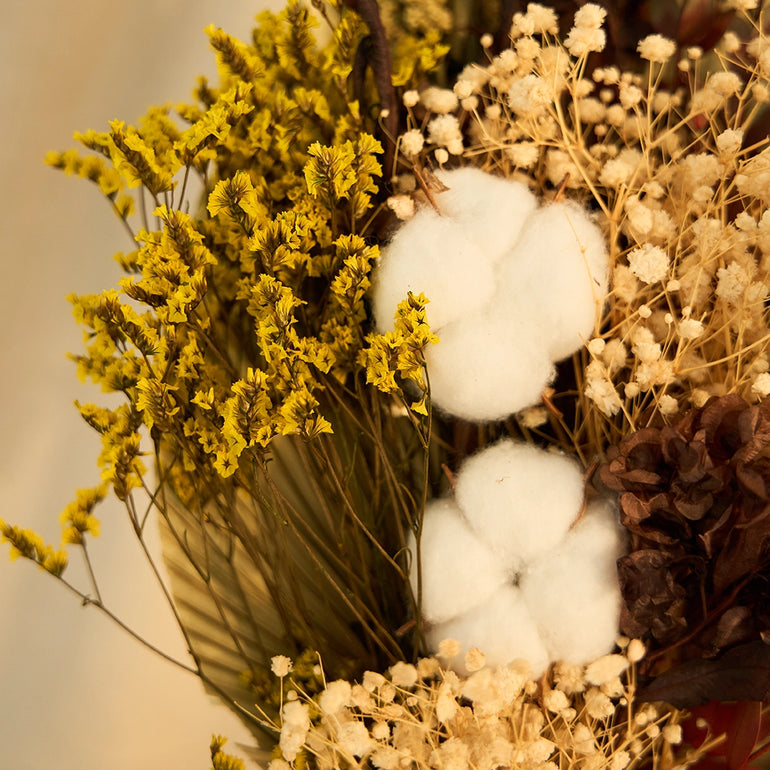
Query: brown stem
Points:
[381, 66]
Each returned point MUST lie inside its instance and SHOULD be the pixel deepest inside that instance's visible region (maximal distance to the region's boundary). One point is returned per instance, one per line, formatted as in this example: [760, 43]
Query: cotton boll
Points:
[486, 368]
[573, 591]
[502, 628]
[519, 499]
[433, 255]
[458, 571]
[557, 276]
[491, 210]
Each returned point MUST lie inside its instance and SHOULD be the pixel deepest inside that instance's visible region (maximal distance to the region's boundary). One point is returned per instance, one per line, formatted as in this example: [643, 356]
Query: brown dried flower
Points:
[695, 497]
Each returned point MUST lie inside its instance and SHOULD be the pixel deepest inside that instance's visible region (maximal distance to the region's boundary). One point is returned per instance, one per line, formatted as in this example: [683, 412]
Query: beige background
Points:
[75, 692]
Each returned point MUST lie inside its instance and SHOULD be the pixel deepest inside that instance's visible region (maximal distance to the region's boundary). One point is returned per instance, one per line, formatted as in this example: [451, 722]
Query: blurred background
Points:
[75, 690]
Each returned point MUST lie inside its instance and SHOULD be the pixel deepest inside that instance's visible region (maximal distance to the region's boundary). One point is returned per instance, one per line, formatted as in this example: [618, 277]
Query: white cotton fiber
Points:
[557, 276]
[512, 290]
[573, 592]
[490, 209]
[519, 500]
[458, 571]
[502, 628]
[435, 256]
[485, 368]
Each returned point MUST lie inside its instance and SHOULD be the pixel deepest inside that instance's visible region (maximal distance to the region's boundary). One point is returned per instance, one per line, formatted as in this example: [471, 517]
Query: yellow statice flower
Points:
[399, 353]
[77, 518]
[29, 545]
[236, 344]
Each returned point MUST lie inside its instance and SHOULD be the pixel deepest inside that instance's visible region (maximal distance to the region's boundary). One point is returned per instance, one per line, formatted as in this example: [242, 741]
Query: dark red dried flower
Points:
[695, 497]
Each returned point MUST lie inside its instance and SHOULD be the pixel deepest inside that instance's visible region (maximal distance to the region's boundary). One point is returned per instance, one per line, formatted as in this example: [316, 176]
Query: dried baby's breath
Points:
[493, 717]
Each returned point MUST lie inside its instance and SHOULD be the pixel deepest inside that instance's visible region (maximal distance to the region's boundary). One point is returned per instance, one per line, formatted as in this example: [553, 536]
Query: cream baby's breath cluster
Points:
[426, 716]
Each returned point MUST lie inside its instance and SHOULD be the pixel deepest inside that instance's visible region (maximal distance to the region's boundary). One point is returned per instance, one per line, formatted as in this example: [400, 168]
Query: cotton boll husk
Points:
[519, 499]
[502, 628]
[485, 367]
[557, 276]
[432, 255]
[458, 571]
[491, 210]
[573, 592]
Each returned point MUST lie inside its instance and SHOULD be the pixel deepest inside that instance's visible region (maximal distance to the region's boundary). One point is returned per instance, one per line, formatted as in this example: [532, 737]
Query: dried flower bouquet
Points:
[455, 387]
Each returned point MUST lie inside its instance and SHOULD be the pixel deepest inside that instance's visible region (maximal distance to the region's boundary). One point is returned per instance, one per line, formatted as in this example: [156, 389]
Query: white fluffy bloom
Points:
[523, 154]
[699, 170]
[754, 177]
[591, 110]
[596, 346]
[725, 83]
[656, 48]
[474, 76]
[335, 697]
[296, 723]
[598, 705]
[729, 141]
[280, 665]
[403, 674]
[732, 282]
[504, 571]
[730, 42]
[488, 481]
[543, 19]
[587, 34]
[402, 206]
[649, 263]
[412, 142]
[462, 89]
[616, 172]
[581, 41]
[439, 100]
[630, 95]
[452, 271]
[512, 290]
[761, 385]
[529, 96]
[354, 738]
[410, 98]
[558, 294]
[668, 405]
[672, 734]
[606, 668]
[590, 16]
[705, 101]
[487, 366]
[635, 650]
[444, 130]
[600, 389]
[690, 329]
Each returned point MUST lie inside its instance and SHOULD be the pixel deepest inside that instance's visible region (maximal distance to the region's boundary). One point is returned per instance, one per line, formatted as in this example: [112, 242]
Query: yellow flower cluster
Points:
[29, 545]
[400, 352]
[219, 372]
[238, 339]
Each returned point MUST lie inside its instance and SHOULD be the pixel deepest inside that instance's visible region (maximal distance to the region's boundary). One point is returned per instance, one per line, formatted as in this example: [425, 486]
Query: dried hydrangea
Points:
[694, 496]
